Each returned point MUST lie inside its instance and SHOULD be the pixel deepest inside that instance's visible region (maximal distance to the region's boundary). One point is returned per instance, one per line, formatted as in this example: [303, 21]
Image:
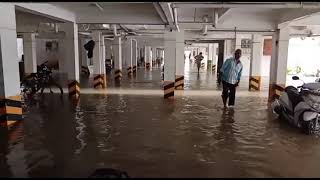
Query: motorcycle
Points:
[39, 80]
[300, 106]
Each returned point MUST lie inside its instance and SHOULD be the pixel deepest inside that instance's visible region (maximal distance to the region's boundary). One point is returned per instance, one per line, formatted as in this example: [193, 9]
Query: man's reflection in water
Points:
[228, 115]
[226, 128]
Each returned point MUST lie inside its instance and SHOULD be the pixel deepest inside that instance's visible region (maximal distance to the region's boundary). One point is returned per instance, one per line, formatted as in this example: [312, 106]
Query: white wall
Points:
[265, 65]
[46, 55]
[20, 47]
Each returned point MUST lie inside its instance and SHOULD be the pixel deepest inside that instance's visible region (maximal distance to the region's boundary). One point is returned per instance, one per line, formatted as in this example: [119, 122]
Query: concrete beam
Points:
[158, 8]
[47, 10]
[292, 15]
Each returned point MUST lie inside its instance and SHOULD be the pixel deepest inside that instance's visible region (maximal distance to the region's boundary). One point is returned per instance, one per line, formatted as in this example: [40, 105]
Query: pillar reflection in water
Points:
[80, 128]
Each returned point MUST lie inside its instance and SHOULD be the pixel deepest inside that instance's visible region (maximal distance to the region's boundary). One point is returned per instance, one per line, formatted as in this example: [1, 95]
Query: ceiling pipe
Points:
[175, 12]
[215, 18]
[99, 6]
[115, 30]
[248, 5]
[205, 27]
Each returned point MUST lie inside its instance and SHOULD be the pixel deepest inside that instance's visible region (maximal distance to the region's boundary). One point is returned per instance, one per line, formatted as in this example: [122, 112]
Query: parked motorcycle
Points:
[300, 106]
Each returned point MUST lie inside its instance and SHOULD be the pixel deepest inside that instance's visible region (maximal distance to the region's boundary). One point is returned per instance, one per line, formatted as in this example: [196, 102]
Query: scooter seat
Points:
[293, 95]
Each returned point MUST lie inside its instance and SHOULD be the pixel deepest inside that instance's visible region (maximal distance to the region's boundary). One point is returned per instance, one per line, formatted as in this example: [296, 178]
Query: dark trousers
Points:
[229, 91]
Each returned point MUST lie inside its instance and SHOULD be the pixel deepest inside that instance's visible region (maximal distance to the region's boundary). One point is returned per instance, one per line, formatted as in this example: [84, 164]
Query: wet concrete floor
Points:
[148, 136]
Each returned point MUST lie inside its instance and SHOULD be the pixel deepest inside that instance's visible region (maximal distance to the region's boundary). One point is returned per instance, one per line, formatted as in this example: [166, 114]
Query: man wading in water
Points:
[199, 58]
[231, 73]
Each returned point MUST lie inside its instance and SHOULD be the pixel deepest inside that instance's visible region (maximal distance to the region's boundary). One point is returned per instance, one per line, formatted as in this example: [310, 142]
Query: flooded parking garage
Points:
[148, 136]
[134, 100]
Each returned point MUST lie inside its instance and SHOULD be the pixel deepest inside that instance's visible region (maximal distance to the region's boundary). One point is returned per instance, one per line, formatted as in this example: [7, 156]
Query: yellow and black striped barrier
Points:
[134, 69]
[214, 68]
[74, 89]
[179, 82]
[275, 91]
[85, 70]
[99, 81]
[147, 65]
[129, 70]
[118, 74]
[10, 110]
[168, 89]
[255, 83]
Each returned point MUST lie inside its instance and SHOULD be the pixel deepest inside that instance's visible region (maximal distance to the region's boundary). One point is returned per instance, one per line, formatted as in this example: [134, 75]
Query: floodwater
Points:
[148, 136]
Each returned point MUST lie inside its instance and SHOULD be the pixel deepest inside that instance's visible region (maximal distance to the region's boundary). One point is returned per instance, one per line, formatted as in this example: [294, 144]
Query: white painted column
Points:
[210, 54]
[169, 63]
[108, 44]
[154, 56]
[96, 37]
[179, 78]
[117, 52]
[237, 43]
[30, 53]
[128, 56]
[148, 60]
[278, 65]
[255, 63]
[98, 60]
[9, 66]
[85, 61]
[134, 55]
[103, 56]
[214, 57]
[71, 58]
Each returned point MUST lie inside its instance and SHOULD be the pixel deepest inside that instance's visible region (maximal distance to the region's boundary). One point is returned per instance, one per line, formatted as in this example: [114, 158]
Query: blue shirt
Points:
[231, 71]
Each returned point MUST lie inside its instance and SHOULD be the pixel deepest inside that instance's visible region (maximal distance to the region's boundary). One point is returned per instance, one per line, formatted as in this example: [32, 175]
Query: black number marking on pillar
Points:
[98, 81]
[168, 89]
[10, 110]
[179, 82]
[74, 89]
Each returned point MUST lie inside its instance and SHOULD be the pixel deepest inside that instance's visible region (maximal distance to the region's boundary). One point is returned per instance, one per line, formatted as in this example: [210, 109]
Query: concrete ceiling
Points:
[148, 18]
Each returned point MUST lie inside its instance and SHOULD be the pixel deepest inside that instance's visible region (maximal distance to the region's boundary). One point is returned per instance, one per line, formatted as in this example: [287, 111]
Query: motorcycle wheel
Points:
[310, 127]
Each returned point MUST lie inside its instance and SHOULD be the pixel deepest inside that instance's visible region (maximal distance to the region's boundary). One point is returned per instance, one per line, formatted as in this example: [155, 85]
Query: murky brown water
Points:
[141, 133]
[148, 136]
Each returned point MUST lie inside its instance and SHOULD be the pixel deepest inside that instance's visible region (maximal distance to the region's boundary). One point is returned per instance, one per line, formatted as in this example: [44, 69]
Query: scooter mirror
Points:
[295, 77]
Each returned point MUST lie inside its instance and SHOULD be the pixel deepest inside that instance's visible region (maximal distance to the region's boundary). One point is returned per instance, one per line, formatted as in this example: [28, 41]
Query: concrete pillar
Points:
[210, 54]
[103, 76]
[84, 57]
[179, 78]
[30, 53]
[147, 57]
[134, 55]
[117, 52]
[237, 43]
[255, 63]
[214, 57]
[128, 56]
[154, 56]
[278, 65]
[10, 98]
[108, 44]
[71, 58]
[169, 63]
[99, 76]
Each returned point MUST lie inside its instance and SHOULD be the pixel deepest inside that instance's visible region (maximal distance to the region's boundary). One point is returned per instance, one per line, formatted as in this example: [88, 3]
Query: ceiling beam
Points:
[160, 12]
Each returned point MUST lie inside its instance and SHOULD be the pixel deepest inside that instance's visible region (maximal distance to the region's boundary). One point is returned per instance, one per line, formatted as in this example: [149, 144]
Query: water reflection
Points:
[81, 129]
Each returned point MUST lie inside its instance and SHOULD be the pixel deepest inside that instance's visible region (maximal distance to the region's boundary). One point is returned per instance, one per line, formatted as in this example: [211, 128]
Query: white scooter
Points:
[300, 106]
